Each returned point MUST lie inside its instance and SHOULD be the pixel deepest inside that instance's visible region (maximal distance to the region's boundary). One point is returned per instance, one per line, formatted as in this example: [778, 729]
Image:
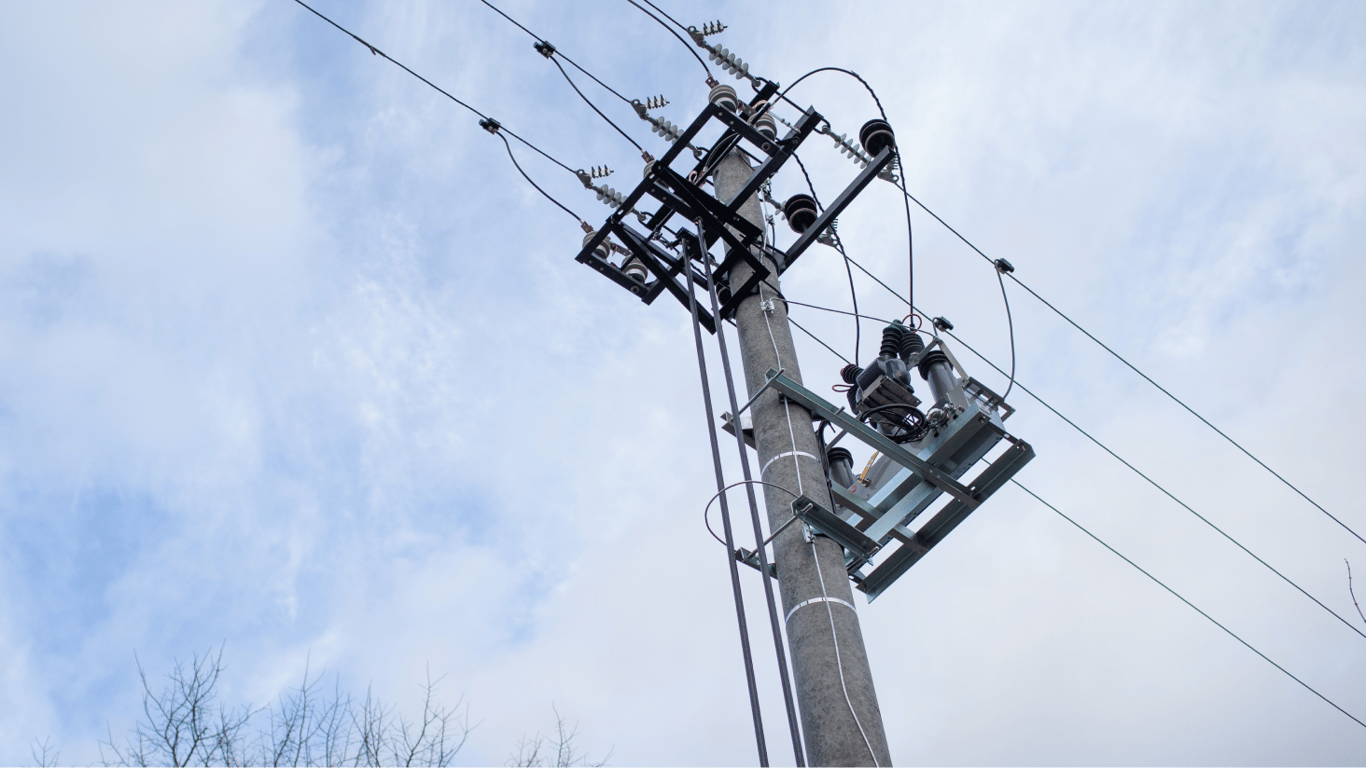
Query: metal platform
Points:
[868, 523]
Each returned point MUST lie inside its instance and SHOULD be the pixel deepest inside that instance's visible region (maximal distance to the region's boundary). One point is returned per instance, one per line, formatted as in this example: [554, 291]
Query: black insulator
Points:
[933, 357]
[850, 373]
[839, 454]
[911, 345]
[801, 212]
[876, 135]
[891, 339]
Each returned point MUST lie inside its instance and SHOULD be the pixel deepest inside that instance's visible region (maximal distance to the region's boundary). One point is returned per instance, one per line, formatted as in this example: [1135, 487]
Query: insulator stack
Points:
[609, 196]
[729, 62]
[664, 128]
[849, 150]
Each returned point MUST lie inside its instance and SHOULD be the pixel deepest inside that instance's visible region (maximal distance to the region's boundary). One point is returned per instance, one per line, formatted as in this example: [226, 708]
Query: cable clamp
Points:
[767, 306]
[490, 125]
[1003, 266]
[544, 48]
[942, 324]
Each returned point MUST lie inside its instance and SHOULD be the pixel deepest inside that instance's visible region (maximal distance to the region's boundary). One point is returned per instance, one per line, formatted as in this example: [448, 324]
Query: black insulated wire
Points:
[1187, 602]
[434, 86]
[513, 157]
[1155, 484]
[558, 52]
[594, 107]
[1011, 323]
[658, 21]
[1179, 402]
[839, 246]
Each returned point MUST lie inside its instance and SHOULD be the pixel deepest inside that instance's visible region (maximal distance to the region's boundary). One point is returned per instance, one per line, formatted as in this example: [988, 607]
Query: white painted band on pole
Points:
[814, 600]
[764, 469]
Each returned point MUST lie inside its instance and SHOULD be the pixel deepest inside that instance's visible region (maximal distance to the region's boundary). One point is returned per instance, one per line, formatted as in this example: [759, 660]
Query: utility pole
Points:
[834, 684]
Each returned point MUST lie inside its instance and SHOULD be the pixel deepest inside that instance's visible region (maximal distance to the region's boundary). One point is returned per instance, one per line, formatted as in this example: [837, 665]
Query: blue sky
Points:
[293, 361]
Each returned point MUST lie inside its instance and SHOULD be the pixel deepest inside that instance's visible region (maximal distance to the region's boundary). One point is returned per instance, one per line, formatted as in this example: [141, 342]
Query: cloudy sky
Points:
[294, 362]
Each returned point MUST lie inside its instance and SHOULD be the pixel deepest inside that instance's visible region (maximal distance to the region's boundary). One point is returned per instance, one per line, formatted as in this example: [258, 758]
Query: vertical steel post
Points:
[839, 711]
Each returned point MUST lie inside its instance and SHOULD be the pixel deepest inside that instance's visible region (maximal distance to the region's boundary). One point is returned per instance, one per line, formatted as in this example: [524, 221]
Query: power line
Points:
[434, 86]
[1187, 602]
[556, 51]
[1135, 470]
[1155, 484]
[512, 157]
[1192, 411]
[594, 107]
[1135, 369]
[705, 68]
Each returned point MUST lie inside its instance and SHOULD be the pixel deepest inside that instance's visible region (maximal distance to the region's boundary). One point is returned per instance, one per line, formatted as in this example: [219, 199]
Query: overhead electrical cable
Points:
[518, 165]
[435, 87]
[1136, 471]
[594, 107]
[839, 246]
[556, 51]
[1189, 603]
[1143, 375]
[705, 68]
[1155, 484]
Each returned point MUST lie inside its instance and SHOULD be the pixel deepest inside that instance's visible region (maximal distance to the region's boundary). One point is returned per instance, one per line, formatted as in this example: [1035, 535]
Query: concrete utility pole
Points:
[839, 711]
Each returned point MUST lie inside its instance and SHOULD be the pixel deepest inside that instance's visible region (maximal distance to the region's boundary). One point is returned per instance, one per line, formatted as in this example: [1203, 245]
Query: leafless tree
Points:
[45, 754]
[558, 751]
[185, 724]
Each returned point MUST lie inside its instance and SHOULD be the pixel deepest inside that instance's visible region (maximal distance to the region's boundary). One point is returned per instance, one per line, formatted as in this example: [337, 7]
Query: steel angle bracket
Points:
[842, 419]
[827, 523]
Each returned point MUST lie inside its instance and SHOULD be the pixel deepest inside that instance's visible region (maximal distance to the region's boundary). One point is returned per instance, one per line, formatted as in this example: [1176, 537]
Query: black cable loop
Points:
[707, 510]
[558, 52]
[513, 157]
[594, 107]
[1011, 323]
[1187, 602]
[705, 68]
[839, 246]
